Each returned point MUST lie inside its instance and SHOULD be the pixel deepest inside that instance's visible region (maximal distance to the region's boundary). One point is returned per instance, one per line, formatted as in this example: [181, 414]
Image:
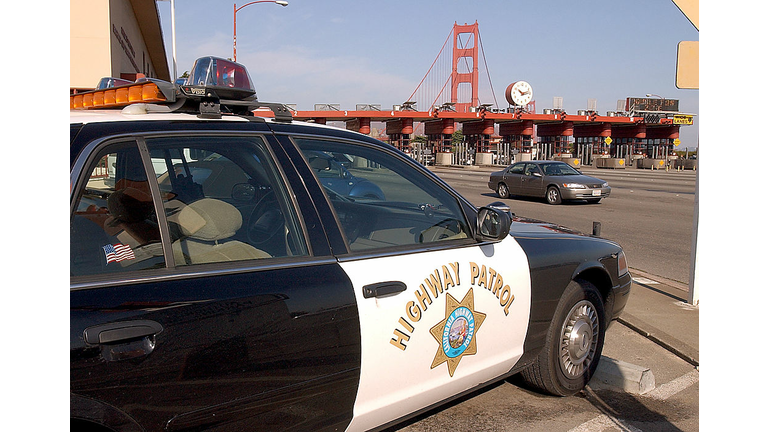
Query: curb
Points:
[663, 339]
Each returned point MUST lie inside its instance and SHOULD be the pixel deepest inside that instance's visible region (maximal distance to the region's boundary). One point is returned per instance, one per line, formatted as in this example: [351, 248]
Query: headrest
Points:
[129, 205]
[210, 219]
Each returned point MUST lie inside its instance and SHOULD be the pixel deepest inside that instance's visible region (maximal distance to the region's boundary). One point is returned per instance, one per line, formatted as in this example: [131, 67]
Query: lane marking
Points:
[642, 280]
[603, 422]
[663, 392]
[674, 387]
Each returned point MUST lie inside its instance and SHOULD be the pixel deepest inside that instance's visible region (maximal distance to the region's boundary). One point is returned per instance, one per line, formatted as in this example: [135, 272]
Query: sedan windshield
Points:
[559, 169]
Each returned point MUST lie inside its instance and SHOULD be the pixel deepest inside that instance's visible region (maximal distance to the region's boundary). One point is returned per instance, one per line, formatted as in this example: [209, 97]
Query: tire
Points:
[553, 195]
[502, 190]
[574, 343]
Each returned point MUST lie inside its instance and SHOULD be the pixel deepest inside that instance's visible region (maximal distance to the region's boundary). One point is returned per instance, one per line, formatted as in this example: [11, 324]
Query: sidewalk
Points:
[658, 309]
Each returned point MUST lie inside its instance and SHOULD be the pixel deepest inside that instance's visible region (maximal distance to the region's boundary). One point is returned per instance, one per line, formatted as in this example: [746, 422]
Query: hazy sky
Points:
[353, 51]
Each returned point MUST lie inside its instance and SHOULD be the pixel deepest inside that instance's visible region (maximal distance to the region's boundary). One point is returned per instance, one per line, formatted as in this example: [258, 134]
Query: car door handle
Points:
[382, 289]
[122, 331]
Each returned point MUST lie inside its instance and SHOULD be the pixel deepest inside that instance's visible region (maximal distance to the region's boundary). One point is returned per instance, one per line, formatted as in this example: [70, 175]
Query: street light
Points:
[173, 36]
[234, 21]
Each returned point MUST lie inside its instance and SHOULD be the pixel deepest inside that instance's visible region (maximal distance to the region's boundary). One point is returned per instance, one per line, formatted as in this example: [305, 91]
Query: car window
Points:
[516, 169]
[530, 169]
[224, 200]
[380, 200]
[559, 169]
[114, 227]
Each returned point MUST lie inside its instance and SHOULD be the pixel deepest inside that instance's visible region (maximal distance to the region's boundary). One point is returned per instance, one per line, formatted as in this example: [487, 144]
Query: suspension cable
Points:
[433, 64]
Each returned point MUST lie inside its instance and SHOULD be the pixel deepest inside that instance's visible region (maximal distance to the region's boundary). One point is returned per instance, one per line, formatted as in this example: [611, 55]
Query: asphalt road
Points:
[649, 213]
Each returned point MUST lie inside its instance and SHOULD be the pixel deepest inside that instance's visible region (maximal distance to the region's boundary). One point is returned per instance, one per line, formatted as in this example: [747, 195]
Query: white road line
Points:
[603, 422]
[665, 391]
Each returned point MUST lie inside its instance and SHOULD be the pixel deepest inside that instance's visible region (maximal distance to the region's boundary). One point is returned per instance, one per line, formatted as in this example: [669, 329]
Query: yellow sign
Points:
[608, 140]
[676, 142]
[680, 119]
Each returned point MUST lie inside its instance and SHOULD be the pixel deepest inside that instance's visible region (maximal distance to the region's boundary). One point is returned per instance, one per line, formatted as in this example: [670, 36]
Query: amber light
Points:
[119, 96]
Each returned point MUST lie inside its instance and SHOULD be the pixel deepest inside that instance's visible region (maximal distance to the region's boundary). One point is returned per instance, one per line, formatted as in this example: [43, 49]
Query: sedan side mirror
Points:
[492, 224]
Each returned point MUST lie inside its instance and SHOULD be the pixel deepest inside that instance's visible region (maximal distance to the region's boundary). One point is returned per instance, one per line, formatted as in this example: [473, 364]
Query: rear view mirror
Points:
[492, 224]
[243, 192]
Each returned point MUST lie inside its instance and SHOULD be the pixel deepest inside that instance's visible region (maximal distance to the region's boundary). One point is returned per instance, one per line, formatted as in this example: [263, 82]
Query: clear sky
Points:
[352, 51]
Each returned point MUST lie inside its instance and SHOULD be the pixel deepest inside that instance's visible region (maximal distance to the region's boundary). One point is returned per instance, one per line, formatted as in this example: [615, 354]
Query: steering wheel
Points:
[265, 221]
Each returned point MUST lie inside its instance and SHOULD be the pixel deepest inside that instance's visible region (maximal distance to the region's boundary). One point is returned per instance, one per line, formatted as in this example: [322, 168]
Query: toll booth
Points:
[516, 141]
[439, 134]
[477, 135]
[554, 141]
[658, 146]
[590, 142]
[362, 125]
[399, 132]
[628, 142]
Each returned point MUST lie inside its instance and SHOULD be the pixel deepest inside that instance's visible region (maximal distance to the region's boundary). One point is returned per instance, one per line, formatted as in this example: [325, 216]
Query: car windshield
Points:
[559, 169]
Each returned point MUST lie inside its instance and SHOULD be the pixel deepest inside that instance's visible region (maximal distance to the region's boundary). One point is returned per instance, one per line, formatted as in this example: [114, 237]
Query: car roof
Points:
[127, 114]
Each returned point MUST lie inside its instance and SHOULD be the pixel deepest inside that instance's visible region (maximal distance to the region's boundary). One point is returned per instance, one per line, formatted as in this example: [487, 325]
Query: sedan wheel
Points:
[502, 190]
[578, 339]
[574, 343]
[553, 195]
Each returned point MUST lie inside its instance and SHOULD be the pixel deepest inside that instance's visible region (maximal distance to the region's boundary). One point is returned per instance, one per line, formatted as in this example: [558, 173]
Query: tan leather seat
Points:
[206, 225]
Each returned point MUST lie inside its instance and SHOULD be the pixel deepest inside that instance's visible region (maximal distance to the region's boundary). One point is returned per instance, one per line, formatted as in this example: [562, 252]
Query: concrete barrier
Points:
[623, 376]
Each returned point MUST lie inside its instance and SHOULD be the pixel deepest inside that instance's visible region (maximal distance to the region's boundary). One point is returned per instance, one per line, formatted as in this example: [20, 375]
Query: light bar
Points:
[146, 92]
[225, 79]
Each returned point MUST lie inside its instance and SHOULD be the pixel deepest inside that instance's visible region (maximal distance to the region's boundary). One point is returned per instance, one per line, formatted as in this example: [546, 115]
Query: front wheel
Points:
[553, 195]
[502, 190]
[574, 343]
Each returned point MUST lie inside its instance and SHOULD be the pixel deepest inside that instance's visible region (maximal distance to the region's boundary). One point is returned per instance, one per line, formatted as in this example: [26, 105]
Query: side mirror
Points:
[536, 174]
[492, 224]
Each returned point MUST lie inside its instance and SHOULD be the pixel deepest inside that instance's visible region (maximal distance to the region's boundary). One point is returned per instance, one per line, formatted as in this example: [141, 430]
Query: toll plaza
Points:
[644, 136]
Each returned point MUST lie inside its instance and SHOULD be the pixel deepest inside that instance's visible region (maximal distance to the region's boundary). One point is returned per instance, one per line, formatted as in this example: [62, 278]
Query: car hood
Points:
[585, 179]
[522, 227]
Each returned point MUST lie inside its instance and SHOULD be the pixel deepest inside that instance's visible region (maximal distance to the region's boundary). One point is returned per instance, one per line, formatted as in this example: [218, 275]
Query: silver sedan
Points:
[555, 181]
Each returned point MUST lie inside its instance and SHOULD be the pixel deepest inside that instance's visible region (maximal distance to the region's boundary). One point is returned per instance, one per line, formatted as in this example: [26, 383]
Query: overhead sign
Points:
[680, 119]
[652, 104]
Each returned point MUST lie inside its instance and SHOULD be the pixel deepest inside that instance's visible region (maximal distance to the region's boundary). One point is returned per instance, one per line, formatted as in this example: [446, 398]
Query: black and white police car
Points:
[219, 283]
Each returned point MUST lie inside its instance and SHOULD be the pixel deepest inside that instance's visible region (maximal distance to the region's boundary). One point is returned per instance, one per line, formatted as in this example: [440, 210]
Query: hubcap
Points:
[578, 339]
[553, 195]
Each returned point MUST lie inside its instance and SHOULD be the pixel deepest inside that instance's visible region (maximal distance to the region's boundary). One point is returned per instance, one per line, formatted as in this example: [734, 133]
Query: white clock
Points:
[519, 93]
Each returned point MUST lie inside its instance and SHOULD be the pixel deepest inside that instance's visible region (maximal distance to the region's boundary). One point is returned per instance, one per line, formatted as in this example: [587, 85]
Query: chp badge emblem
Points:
[455, 334]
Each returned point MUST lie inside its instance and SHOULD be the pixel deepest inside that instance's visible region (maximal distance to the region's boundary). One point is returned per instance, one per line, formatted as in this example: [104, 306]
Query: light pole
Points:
[234, 21]
[173, 36]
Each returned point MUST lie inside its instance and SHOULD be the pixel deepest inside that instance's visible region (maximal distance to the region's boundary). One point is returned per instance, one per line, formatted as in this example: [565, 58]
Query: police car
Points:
[221, 281]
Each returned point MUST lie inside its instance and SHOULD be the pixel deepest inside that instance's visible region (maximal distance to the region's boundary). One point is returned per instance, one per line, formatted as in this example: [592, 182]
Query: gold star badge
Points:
[455, 335]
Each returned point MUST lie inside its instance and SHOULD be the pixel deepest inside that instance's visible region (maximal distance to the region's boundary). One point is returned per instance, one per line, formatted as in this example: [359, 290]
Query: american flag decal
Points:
[118, 252]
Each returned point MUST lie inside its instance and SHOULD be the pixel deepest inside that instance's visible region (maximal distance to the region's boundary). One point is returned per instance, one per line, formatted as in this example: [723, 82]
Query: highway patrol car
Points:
[232, 271]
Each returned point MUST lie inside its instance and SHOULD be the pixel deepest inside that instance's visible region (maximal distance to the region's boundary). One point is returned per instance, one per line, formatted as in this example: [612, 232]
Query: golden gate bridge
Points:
[448, 99]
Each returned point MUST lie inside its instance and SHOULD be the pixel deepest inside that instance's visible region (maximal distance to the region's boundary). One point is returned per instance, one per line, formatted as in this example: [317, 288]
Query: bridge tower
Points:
[466, 57]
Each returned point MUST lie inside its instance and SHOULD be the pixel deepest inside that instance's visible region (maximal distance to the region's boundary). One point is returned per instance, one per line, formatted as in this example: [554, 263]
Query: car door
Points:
[182, 315]
[532, 182]
[440, 313]
[513, 177]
